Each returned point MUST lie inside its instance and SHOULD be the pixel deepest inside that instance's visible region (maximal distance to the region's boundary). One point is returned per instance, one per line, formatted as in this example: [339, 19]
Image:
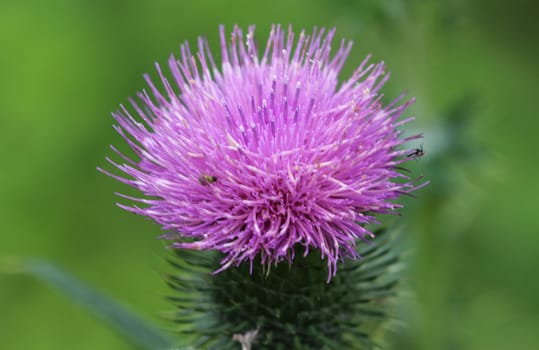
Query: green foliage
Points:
[133, 328]
[292, 306]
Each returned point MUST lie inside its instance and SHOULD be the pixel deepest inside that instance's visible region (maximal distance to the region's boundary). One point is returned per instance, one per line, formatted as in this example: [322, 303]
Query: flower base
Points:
[291, 306]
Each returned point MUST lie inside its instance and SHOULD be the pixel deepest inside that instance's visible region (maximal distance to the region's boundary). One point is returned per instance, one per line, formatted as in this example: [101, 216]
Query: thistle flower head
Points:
[266, 151]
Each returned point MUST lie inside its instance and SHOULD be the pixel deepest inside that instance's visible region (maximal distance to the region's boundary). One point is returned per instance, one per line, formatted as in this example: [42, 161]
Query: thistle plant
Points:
[265, 171]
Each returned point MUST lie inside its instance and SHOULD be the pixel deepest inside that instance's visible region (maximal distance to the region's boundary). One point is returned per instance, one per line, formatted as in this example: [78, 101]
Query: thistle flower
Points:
[266, 152]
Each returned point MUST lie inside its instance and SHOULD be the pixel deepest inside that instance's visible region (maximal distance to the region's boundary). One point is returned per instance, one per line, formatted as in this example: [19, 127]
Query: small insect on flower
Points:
[306, 160]
[417, 153]
[207, 179]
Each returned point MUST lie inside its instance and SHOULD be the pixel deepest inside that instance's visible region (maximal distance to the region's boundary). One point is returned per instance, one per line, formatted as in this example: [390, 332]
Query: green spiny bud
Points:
[292, 307]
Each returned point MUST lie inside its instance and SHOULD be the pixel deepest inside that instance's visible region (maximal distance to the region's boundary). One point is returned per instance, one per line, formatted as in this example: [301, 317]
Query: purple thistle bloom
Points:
[266, 152]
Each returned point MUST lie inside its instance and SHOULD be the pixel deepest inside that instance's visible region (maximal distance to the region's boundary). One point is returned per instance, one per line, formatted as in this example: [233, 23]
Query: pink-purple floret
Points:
[265, 152]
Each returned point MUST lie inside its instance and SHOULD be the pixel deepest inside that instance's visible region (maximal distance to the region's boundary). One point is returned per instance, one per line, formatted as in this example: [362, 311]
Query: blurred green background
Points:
[473, 233]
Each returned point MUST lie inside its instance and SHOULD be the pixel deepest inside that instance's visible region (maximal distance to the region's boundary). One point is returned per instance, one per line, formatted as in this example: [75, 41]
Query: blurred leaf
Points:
[135, 330]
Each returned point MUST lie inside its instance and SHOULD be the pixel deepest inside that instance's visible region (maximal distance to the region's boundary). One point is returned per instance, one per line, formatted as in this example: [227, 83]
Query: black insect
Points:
[207, 179]
[417, 153]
